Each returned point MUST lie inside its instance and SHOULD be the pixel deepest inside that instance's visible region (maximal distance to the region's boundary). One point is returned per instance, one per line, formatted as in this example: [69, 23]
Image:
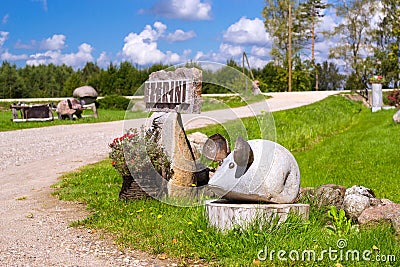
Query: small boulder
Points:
[355, 204]
[360, 190]
[396, 117]
[197, 140]
[356, 199]
[330, 195]
[389, 212]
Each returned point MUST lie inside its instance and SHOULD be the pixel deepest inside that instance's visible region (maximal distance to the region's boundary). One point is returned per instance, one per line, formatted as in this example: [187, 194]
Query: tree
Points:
[330, 77]
[354, 33]
[386, 38]
[74, 81]
[312, 11]
[287, 29]
[11, 84]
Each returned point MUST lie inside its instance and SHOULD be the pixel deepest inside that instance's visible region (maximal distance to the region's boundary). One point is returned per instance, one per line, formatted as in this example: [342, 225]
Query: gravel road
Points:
[34, 225]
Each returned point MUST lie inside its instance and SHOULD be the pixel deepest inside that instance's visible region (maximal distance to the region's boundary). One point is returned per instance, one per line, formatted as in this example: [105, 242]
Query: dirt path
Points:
[34, 225]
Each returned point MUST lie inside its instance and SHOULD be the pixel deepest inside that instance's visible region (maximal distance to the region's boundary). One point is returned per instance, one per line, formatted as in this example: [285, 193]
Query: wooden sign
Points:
[179, 95]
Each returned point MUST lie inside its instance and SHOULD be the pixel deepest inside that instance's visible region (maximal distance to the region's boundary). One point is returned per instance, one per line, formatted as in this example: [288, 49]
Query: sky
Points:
[143, 32]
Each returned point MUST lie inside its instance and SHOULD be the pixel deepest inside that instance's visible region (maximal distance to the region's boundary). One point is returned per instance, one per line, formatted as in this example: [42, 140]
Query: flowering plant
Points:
[137, 152]
[377, 79]
[394, 98]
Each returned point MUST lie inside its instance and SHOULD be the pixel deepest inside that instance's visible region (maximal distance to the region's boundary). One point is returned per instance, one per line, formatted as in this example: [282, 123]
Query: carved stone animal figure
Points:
[68, 108]
[272, 176]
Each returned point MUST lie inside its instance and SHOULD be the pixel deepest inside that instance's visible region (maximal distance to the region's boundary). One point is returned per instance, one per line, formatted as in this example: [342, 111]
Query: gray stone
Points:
[390, 212]
[386, 201]
[85, 91]
[330, 195]
[354, 204]
[396, 117]
[360, 190]
[225, 216]
[188, 173]
[138, 106]
[274, 176]
[197, 140]
[306, 193]
[178, 90]
[375, 202]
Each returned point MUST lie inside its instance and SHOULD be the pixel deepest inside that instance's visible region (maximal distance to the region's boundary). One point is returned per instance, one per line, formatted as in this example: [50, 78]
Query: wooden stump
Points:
[226, 215]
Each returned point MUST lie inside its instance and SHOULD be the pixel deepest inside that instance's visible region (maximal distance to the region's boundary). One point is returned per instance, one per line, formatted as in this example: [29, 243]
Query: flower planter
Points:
[143, 185]
[142, 163]
[131, 190]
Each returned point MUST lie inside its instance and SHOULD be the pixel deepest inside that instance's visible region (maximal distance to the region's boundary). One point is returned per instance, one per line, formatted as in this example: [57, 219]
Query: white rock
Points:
[355, 204]
[360, 190]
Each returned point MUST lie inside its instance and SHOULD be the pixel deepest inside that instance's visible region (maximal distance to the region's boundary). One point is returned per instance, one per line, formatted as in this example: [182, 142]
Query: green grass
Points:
[6, 124]
[296, 129]
[347, 145]
[223, 102]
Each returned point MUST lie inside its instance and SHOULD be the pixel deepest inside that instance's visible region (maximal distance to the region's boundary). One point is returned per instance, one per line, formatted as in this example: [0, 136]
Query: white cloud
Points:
[247, 32]
[260, 51]
[56, 42]
[230, 50]
[180, 35]
[256, 62]
[183, 9]
[3, 37]
[328, 22]
[103, 60]
[5, 19]
[143, 49]
[76, 60]
[6, 56]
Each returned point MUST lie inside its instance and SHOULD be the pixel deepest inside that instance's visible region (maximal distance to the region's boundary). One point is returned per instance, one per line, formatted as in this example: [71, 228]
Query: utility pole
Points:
[290, 48]
[313, 51]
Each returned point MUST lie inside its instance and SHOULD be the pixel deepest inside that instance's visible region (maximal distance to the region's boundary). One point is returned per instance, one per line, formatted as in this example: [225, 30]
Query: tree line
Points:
[294, 25]
[125, 79]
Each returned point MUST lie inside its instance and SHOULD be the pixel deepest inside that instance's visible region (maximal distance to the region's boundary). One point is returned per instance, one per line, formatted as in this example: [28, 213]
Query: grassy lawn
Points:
[334, 141]
[6, 124]
[223, 102]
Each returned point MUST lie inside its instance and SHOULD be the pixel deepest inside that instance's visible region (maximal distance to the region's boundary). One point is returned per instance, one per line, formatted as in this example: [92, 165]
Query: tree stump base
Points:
[226, 215]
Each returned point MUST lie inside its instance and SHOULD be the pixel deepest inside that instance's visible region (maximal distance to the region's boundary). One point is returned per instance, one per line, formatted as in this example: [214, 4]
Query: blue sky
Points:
[143, 32]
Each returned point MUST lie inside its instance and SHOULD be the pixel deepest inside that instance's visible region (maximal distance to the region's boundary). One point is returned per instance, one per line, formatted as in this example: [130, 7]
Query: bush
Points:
[115, 102]
[394, 98]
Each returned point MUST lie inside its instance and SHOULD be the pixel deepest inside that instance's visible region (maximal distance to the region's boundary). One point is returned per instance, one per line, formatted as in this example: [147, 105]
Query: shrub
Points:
[394, 98]
[115, 102]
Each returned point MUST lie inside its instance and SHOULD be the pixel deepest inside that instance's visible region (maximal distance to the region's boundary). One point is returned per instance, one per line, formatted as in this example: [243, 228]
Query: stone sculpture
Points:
[258, 170]
[68, 108]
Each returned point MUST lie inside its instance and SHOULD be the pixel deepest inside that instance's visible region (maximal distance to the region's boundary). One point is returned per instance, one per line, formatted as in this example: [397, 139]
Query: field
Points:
[334, 141]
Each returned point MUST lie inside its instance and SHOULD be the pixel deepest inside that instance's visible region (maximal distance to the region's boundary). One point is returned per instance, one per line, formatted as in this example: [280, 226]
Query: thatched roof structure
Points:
[85, 91]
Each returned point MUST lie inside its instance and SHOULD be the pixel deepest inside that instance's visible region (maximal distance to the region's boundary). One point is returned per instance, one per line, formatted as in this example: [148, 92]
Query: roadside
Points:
[35, 225]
